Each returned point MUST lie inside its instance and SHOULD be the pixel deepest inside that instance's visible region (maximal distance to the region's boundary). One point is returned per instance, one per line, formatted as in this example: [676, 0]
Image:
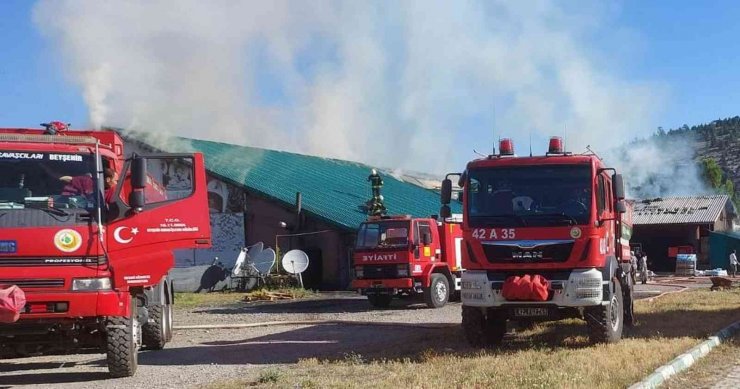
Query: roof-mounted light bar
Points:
[61, 139]
[506, 147]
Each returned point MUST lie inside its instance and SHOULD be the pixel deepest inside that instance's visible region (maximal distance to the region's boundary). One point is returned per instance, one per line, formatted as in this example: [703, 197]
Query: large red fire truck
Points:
[92, 254]
[405, 256]
[545, 238]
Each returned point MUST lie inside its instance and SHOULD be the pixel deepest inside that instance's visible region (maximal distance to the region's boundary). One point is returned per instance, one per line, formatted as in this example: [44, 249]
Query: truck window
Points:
[47, 180]
[383, 234]
[600, 195]
[170, 178]
[532, 196]
[424, 230]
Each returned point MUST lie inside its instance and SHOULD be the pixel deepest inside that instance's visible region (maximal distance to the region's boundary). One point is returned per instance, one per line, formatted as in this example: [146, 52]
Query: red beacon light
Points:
[556, 146]
[506, 147]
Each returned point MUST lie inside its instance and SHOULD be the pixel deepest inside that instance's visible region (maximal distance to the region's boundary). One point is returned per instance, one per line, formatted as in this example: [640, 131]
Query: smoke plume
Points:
[413, 85]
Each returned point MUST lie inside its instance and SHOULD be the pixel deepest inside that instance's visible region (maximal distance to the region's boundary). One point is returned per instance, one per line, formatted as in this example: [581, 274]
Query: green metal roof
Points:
[334, 190]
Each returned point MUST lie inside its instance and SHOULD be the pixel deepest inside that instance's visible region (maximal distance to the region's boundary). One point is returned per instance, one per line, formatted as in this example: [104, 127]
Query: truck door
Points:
[140, 242]
[426, 243]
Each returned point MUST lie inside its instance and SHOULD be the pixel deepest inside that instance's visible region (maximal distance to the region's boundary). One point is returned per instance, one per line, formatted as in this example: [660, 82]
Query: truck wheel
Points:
[154, 333]
[629, 308]
[482, 331]
[438, 292]
[474, 326]
[605, 323]
[379, 300]
[168, 316]
[123, 335]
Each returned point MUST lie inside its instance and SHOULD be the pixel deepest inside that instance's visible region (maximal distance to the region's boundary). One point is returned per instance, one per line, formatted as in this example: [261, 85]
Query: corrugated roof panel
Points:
[679, 210]
[332, 189]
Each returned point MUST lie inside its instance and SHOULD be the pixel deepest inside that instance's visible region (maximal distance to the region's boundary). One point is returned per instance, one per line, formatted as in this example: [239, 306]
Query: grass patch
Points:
[198, 300]
[555, 355]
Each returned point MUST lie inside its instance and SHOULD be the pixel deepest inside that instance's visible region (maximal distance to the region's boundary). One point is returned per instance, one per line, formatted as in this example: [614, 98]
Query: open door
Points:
[161, 205]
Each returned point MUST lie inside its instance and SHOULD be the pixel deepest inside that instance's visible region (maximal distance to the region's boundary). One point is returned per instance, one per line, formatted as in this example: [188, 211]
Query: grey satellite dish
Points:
[255, 249]
[264, 261]
[295, 262]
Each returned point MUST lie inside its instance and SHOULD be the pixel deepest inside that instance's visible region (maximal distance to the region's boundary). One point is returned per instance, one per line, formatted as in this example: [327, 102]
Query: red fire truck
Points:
[545, 238]
[91, 254]
[405, 256]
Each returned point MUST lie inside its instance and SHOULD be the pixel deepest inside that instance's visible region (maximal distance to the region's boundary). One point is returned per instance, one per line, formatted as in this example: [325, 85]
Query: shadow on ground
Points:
[330, 305]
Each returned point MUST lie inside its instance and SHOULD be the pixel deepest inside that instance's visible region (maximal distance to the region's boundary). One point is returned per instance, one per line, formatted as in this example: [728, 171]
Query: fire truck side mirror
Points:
[446, 195]
[136, 200]
[618, 186]
[621, 206]
[445, 211]
[138, 173]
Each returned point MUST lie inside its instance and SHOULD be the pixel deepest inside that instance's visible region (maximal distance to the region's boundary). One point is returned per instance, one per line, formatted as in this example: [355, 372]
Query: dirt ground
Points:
[199, 357]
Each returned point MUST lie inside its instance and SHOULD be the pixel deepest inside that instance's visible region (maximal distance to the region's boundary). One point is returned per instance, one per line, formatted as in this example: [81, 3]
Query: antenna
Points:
[493, 130]
[484, 156]
[295, 262]
[565, 137]
[530, 142]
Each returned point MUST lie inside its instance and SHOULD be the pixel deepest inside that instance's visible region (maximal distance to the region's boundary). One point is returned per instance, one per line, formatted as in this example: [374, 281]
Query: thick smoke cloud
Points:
[409, 85]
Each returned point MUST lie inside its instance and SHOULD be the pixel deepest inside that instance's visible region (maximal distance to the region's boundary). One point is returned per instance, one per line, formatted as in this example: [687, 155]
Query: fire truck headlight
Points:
[359, 272]
[402, 270]
[88, 284]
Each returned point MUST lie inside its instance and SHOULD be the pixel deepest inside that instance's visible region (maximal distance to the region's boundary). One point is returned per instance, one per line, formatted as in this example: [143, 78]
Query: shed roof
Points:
[334, 190]
[681, 210]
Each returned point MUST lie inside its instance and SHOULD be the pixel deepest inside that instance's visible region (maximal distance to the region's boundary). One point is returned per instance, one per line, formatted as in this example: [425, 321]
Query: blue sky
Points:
[688, 49]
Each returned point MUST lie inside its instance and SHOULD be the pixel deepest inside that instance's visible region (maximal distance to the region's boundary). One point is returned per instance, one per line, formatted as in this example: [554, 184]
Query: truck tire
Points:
[168, 315]
[438, 292]
[482, 331]
[154, 333]
[605, 323]
[379, 300]
[629, 307]
[122, 344]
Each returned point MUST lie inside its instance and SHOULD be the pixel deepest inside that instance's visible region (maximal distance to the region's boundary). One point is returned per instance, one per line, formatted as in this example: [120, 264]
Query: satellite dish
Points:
[239, 262]
[255, 249]
[295, 261]
[264, 261]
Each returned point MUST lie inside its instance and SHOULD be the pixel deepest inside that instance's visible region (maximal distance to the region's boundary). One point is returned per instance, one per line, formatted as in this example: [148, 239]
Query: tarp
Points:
[526, 288]
[12, 301]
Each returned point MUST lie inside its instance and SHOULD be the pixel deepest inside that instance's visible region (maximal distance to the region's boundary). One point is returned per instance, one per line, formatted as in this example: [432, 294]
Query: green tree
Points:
[712, 173]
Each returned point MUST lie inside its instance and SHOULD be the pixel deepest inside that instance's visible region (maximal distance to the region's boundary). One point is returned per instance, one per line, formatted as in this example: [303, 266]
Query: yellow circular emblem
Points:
[68, 240]
[575, 232]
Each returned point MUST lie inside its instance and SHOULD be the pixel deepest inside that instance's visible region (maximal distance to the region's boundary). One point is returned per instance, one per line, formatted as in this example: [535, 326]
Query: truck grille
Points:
[546, 253]
[51, 261]
[29, 283]
[374, 272]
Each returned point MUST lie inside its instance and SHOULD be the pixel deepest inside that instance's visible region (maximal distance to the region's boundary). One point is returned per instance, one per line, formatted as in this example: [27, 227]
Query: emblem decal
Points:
[119, 239]
[68, 240]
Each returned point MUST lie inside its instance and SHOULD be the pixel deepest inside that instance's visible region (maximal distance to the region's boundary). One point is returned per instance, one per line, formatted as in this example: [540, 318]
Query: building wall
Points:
[326, 245]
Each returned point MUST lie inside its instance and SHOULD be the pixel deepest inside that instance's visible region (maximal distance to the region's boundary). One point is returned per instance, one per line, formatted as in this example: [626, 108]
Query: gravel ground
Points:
[198, 357]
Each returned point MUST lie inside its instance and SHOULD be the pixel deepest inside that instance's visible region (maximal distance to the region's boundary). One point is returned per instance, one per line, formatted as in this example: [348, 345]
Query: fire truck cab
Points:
[555, 224]
[404, 256]
[92, 255]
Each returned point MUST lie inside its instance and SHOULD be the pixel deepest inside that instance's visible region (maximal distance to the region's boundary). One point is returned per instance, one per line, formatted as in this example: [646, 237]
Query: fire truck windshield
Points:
[58, 183]
[529, 196]
[383, 234]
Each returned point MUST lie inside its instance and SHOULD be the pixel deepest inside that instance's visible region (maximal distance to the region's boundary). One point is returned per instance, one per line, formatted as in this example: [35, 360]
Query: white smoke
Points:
[409, 84]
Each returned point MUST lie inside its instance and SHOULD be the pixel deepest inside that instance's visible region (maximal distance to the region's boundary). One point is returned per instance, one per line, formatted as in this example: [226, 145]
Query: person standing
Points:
[733, 263]
[643, 269]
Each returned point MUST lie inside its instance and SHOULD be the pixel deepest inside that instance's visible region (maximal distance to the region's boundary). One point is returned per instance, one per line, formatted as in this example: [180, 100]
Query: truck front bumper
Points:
[582, 288]
[52, 305]
[391, 283]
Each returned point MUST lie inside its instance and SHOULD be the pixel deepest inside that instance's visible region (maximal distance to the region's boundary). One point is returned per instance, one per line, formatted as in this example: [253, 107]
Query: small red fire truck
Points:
[544, 238]
[91, 251]
[405, 256]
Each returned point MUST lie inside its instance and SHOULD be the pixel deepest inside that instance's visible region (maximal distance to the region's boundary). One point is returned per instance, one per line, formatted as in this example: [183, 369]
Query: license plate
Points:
[530, 312]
